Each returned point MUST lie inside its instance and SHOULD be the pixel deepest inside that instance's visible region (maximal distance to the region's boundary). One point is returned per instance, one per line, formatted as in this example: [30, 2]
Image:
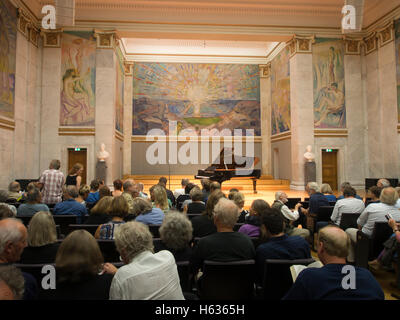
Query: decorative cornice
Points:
[7, 124]
[301, 44]
[128, 68]
[265, 70]
[23, 23]
[370, 43]
[386, 34]
[34, 35]
[329, 133]
[352, 45]
[281, 136]
[51, 38]
[76, 131]
[105, 39]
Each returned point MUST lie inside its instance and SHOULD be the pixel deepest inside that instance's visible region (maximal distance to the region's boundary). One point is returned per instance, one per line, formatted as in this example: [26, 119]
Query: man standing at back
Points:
[51, 182]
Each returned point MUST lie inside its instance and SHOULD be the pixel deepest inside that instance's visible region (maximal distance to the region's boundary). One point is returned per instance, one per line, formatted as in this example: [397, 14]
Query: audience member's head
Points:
[389, 196]
[374, 193]
[3, 195]
[163, 181]
[104, 191]
[398, 190]
[238, 199]
[12, 283]
[117, 184]
[71, 192]
[34, 196]
[78, 257]
[344, 185]
[258, 206]
[176, 231]
[84, 191]
[326, 188]
[215, 186]
[160, 197]
[233, 190]
[312, 187]
[103, 206]
[189, 187]
[41, 229]
[131, 188]
[232, 193]
[184, 183]
[272, 222]
[30, 186]
[196, 194]
[14, 186]
[133, 238]
[281, 196]
[141, 206]
[5, 212]
[383, 183]
[94, 185]
[333, 245]
[76, 169]
[349, 192]
[140, 186]
[119, 207]
[205, 183]
[55, 164]
[212, 201]
[13, 240]
[226, 214]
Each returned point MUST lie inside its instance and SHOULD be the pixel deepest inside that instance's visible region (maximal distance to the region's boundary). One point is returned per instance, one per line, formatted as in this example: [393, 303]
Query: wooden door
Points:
[329, 168]
[78, 156]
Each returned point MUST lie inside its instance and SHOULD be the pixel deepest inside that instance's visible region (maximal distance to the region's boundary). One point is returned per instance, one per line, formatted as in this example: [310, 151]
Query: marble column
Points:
[301, 105]
[105, 99]
[265, 105]
[128, 95]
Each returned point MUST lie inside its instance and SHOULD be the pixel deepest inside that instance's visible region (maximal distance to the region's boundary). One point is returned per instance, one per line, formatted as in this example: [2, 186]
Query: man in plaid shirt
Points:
[52, 181]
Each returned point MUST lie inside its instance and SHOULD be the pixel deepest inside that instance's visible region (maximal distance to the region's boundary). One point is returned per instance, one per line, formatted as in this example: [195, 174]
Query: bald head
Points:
[333, 242]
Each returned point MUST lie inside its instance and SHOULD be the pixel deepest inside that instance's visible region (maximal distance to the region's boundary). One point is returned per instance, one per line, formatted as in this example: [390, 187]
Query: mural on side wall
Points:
[280, 92]
[196, 96]
[119, 95]
[8, 44]
[78, 69]
[329, 90]
[397, 43]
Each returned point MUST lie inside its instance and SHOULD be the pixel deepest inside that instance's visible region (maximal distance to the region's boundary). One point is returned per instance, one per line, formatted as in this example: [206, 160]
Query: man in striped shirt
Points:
[51, 181]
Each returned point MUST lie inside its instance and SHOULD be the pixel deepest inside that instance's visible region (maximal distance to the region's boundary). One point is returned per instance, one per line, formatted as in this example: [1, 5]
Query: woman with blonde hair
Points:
[74, 176]
[326, 190]
[79, 269]
[100, 213]
[159, 195]
[42, 239]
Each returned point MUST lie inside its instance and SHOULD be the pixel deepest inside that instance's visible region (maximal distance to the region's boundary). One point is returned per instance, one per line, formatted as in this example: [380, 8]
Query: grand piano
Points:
[235, 166]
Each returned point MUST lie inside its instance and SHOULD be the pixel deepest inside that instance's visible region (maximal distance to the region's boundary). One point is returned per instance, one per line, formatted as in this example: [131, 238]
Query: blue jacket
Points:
[70, 207]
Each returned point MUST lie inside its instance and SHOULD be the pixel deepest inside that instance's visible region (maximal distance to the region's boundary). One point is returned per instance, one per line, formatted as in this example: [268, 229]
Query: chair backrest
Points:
[305, 204]
[332, 203]
[109, 251]
[227, 280]
[277, 279]
[292, 202]
[34, 269]
[64, 221]
[349, 220]
[381, 233]
[180, 200]
[91, 228]
[324, 213]
[154, 230]
[184, 275]
[237, 226]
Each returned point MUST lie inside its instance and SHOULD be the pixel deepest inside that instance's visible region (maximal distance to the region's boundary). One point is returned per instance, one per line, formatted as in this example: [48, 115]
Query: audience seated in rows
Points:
[84, 191]
[119, 210]
[70, 206]
[104, 191]
[176, 233]
[34, 204]
[342, 187]
[159, 198]
[51, 183]
[30, 186]
[238, 199]
[6, 212]
[375, 212]
[94, 195]
[141, 188]
[252, 222]
[203, 225]
[11, 283]
[14, 191]
[278, 245]
[117, 188]
[78, 264]
[184, 199]
[178, 192]
[225, 245]
[289, 216]
[326, 190]
[145, 213]
[145, 275]
[42, 239]
[100, 213]
[317, 200]
[374, 193]
[349, 204]
[205, 185]
[196, 206]
[130, 191]
[214, 186]
[170, 195]
[3, 199]
[326, 283]
[13, 240]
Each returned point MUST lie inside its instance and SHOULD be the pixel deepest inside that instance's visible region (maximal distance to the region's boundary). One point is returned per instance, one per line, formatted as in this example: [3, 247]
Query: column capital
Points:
[51, 38]
[301, 44]
[105, 39]
[24, 22]
[34, 35]
[386, 34]
[370, 43]
[128, 68]
[352, 45]
[265, 70]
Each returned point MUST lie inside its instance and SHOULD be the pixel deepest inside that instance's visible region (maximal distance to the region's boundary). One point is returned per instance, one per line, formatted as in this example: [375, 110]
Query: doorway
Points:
[330, 168]
[78, 155]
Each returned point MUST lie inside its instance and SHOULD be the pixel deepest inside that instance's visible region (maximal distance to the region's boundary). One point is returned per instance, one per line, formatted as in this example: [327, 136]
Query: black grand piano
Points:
[234, 167]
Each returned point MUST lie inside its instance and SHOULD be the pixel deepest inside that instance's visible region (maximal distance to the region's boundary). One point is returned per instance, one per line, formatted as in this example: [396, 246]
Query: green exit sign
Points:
[77, 149]
[328, 150]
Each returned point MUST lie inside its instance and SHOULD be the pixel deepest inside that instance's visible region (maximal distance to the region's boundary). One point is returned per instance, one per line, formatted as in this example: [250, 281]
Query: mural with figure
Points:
[280, 92]
[78, 70]
[8, 44]
[196, 96]
[329, 89]
[119, 94]
[397, 43]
